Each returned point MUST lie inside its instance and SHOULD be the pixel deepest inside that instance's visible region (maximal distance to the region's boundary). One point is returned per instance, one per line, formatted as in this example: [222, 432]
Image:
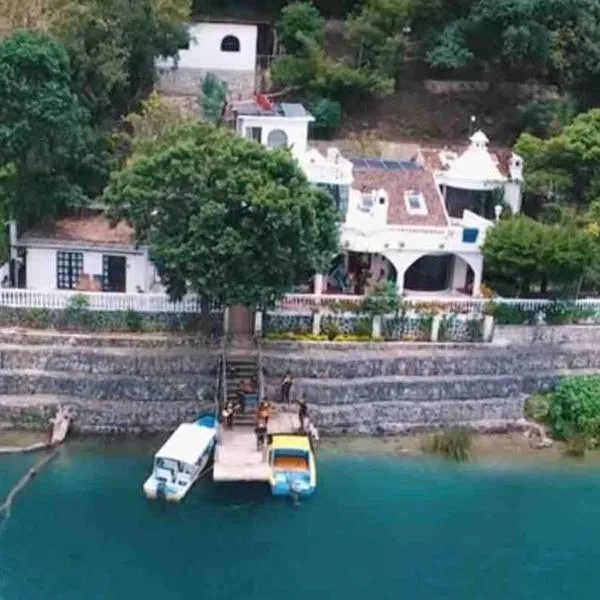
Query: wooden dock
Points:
[236, 456]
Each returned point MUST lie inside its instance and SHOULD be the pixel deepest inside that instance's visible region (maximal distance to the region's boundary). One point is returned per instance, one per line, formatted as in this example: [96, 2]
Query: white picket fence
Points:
[306, 303]
[97, 301]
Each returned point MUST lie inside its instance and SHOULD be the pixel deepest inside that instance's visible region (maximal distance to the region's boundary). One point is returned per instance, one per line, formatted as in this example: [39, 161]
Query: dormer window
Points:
[230, 44]
[415, 203]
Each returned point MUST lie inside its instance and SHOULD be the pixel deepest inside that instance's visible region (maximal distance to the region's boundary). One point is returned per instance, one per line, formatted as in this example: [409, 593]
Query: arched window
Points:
[277, 139]
[230, 44]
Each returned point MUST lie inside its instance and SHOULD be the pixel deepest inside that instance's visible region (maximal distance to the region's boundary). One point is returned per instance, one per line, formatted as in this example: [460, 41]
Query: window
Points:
[230, 44]
[254, 133]
[277, 139]
[415, 203]
[69, 268]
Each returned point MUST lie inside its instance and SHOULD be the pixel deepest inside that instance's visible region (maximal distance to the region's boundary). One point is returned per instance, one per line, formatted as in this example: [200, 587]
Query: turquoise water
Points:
[378, 528]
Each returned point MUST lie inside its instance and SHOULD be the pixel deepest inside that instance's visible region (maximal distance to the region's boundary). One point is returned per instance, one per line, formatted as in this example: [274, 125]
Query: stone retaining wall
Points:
[147, 383]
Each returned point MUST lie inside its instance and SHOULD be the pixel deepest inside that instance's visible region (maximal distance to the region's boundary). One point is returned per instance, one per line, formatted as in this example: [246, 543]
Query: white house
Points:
[83, 251]
[227, 50]
[419, 223]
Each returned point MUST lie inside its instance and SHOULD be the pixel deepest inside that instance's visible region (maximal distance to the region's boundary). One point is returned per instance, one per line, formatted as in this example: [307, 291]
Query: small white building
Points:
[84, 252]
[227, 50]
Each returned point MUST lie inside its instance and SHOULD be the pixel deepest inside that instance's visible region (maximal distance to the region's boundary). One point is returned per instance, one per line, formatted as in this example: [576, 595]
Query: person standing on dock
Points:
[264, 410]
[302, 412]
[286, 387]
[261, 433]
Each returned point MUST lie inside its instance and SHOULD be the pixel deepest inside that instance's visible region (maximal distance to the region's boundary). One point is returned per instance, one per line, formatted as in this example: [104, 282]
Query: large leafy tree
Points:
[513, 37]
[225, 217]
[43, 129]
[525, 257]
[377, 30]
[563, 170]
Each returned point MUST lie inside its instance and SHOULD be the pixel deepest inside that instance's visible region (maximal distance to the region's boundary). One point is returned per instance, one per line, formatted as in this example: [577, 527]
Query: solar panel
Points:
[385, 165]
[292, 109]
[391, 165]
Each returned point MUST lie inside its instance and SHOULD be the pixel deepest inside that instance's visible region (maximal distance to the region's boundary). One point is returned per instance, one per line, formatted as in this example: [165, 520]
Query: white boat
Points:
[182, 459]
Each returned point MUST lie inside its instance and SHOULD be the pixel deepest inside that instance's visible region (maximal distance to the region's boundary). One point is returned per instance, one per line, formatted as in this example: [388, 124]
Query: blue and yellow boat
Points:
[293, 466]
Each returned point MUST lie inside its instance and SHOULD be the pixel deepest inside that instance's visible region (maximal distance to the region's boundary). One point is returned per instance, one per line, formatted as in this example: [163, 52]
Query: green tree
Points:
[503, 36]
[113, 45]
[224, 217]
[43, 129]
[299, 21]
[527, 257]
[563, 169]
[213, 98]
[377, 30]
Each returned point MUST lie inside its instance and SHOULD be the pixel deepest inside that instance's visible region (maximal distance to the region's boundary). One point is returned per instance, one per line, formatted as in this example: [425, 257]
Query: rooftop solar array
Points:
[385, 165]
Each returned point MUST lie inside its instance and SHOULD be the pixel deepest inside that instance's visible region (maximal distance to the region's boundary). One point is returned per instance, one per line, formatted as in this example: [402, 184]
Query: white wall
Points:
[41, 268]
[512, 196]
[295, 129]
[205, 47]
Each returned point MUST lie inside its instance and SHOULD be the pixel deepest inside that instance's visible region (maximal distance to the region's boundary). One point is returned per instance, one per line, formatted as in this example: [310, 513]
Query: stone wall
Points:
[187, 82]
[134, 383]
[112, 383]
[388, 388]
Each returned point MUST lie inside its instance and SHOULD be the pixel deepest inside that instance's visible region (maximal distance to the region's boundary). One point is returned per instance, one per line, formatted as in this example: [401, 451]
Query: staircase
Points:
[240, 368]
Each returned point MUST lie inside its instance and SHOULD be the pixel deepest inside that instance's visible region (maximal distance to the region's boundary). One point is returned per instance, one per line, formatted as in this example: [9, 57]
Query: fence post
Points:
[488, 328]
[376, 326]
[435, 328]
[258, 323]
[226, 321]
[316, 323]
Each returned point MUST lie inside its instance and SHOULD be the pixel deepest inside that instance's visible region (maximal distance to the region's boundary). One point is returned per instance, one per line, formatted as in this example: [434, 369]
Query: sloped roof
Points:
[396, 183]
[431, 157]
[85, 227]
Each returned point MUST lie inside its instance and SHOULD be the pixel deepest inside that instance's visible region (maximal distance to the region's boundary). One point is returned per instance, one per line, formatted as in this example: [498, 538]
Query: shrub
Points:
[537, 407]
[36, 317]
[577, 445]
[575, 408]
[77, 314]
[213, 98]
[332, 330]
[328, 116]
[564, 312]
[133, 320]
[364, 328]
[455, 444]
[546, 117]
[505, 314]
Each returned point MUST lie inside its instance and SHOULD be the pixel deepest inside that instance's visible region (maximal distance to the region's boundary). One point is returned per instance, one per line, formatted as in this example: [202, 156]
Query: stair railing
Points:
[261, 377]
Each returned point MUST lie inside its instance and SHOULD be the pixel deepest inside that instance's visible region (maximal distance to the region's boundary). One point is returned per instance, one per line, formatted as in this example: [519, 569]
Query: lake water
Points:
[378, 528]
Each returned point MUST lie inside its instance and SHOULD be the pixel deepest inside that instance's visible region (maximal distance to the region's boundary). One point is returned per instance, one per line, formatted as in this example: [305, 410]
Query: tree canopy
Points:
[525, 257]
[43, 130]
[224, 217]
[564, 169]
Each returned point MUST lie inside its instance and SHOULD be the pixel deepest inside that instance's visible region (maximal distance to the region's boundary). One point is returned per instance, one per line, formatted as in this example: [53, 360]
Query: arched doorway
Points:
[439, 273]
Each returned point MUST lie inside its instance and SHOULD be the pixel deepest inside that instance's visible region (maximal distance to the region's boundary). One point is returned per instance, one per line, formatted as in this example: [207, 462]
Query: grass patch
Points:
[454, 444]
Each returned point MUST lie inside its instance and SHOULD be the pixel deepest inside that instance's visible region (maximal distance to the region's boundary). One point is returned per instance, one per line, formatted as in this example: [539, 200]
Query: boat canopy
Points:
[291, 442]
[187, 444]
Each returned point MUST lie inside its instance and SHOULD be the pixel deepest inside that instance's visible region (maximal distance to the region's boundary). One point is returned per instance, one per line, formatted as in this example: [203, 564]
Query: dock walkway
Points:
[236, 456]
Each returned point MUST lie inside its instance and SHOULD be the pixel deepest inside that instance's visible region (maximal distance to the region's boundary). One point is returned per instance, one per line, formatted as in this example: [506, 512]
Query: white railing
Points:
[309, 302]
[106, 301]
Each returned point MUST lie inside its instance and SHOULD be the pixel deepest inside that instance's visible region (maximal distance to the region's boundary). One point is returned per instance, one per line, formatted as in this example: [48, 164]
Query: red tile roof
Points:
[430, 157]
[396, 183]
[86, 227]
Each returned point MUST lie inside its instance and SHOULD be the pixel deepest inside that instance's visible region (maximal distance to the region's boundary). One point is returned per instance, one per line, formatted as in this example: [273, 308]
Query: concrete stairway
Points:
[241, 367]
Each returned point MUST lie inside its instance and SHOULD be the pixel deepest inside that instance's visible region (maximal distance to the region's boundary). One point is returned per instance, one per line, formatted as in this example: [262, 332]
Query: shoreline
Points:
[488, 448]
